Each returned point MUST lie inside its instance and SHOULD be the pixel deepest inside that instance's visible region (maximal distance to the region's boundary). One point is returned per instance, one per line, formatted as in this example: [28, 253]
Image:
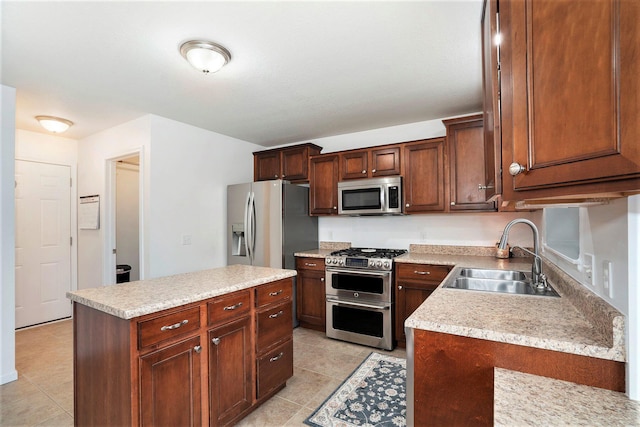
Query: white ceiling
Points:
[299, 70]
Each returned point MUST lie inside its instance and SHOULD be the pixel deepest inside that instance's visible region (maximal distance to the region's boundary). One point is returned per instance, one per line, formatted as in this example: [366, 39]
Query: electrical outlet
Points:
[607, 277]
[186, 239]
[588, 268]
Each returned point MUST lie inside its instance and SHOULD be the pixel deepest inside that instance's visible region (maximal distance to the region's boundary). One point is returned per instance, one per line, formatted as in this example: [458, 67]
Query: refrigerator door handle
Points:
[252, 224]
[247, 225]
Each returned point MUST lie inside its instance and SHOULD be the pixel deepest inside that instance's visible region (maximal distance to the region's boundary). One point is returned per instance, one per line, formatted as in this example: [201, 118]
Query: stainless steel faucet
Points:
[538, 279]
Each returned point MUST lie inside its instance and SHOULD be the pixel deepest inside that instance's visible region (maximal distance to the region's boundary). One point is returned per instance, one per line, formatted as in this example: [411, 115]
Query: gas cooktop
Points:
[369, 258]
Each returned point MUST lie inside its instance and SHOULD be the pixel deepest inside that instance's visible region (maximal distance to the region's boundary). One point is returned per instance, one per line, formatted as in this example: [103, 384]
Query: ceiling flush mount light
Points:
[205, 56]
[54, 124]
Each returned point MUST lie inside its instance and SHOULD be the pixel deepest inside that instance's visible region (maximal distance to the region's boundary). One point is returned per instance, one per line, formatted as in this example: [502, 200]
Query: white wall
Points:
[7, 235]
[127, 218]
[93, 155]
[633, 318]
[190, 171]
[57, 150]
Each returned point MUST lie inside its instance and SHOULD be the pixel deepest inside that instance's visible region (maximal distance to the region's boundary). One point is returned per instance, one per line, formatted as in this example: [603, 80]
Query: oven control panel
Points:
[360, 263]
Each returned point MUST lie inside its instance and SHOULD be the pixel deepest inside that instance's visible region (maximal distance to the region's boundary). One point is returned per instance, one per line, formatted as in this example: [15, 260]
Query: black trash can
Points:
[123, 273]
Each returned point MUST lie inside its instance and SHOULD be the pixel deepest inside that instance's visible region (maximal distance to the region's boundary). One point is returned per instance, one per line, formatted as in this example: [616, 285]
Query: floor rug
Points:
[373, 395]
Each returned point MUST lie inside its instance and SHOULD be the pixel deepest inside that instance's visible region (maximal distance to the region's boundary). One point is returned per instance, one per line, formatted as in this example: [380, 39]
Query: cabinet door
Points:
[491, 100]
[266, 166]
[424, 176]
[465, 142]
[323, 185]
[230, 373]
[410, 295]
[385, 161]
[354, 164]
[274, 368]
[570, 108]
[170, 392]
[310, 297]
[295, 163]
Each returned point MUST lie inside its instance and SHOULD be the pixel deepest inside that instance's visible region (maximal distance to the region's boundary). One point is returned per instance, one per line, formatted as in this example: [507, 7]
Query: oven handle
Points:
[359, 272]
[359, 304]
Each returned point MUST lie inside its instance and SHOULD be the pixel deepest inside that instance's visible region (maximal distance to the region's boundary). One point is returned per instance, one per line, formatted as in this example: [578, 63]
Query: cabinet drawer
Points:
[228, 307]
[274, 292]
[273, 325]
[406, 271]
[310, 264]
[168, 326]
[275, 368]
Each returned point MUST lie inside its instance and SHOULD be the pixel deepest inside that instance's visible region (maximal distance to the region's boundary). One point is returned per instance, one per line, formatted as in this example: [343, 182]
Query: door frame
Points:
[109, 258]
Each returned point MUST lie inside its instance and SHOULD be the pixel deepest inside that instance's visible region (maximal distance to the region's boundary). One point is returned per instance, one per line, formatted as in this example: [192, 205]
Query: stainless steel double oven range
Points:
[359, 290]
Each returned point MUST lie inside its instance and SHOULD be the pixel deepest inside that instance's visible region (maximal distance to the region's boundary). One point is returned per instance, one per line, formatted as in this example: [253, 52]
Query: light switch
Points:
[607, 277]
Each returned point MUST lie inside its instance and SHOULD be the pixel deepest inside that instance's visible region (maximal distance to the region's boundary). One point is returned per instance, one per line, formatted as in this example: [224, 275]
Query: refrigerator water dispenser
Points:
[238, 247]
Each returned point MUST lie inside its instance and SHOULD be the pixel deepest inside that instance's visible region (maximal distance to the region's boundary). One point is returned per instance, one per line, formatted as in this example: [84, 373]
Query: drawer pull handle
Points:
[174, 326]
[233, 307]
[216, 340]
[275, 294]
[422, 272]
[278, 357]
[274, 315]
[197, 349]
[310, 264]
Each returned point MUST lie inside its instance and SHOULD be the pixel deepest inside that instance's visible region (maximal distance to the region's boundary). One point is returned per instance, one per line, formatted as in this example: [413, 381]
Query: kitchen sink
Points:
[501, 281]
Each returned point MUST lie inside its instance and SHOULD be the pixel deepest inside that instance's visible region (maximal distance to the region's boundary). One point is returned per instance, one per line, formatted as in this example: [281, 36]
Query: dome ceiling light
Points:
[54, 124]
[205, 56]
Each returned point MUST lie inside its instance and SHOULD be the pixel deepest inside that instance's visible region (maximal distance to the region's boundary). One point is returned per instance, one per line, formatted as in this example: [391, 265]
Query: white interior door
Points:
[43, 242]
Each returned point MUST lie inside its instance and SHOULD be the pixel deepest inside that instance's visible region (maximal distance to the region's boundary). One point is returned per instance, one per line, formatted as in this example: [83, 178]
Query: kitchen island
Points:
[197, 348]
[457, 339]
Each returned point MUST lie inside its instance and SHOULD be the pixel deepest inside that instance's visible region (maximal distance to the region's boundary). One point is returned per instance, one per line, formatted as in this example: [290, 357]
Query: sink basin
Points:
[493, 274]
[502, 281]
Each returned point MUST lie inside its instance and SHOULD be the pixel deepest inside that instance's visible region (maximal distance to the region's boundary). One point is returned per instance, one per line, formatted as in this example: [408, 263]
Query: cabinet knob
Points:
[335, 208]
[516, 168]
[197, 349]
[282, 176]
[400, 287]
[407, 205]
[216, 341]
[373, 171]
[322, 279]
[453, 203]
[364, 171]
[276, 175]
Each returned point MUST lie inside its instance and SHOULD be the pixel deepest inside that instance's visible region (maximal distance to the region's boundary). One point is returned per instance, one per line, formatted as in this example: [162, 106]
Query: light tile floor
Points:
[43, 393]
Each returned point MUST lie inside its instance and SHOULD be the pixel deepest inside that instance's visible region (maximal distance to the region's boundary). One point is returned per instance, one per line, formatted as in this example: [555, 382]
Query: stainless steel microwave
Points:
[374, 196]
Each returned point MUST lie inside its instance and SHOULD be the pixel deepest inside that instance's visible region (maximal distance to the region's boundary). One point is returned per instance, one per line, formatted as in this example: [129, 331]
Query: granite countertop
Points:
[133, 299]
[314, 253]
[521, 398]
[575, 323]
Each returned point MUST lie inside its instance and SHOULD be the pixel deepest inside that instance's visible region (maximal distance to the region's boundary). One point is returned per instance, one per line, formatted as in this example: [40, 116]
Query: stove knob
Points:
[341, 262]
[378, 264]
[387, 264]
[329, 260]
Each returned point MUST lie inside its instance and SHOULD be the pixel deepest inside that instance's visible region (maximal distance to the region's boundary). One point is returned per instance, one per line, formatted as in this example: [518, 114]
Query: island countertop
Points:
[133, 299]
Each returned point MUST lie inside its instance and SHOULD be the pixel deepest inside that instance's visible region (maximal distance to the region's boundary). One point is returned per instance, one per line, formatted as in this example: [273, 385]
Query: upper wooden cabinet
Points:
[323, 188]
[569, 97]
[423, 172]
[491, 100]
[465, 149]
[290, 163]
[370, 162]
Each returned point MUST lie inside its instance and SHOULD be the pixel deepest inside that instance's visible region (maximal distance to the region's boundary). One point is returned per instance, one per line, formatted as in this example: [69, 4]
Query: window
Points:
[562, 232]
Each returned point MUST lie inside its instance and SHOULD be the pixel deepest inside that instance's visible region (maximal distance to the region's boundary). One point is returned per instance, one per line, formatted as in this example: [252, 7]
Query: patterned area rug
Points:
[373, 395]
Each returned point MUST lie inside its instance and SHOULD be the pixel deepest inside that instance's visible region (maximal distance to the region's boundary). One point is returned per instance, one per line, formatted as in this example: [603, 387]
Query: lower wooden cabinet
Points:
[170, 392]
[274, 368]
[310, 293]
[414, 284]
[155, 369]
[230, 373]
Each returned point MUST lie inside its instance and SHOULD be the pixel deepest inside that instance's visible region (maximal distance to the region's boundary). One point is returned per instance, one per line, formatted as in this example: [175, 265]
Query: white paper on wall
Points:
[89, 213]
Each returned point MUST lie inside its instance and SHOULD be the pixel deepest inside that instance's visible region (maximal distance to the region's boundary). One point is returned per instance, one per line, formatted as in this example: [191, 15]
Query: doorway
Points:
[124, 230]
[127, 219]
[43, 242]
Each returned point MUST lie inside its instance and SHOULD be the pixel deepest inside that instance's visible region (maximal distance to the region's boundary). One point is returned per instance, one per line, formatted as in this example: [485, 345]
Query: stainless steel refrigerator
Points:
[267, 222]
